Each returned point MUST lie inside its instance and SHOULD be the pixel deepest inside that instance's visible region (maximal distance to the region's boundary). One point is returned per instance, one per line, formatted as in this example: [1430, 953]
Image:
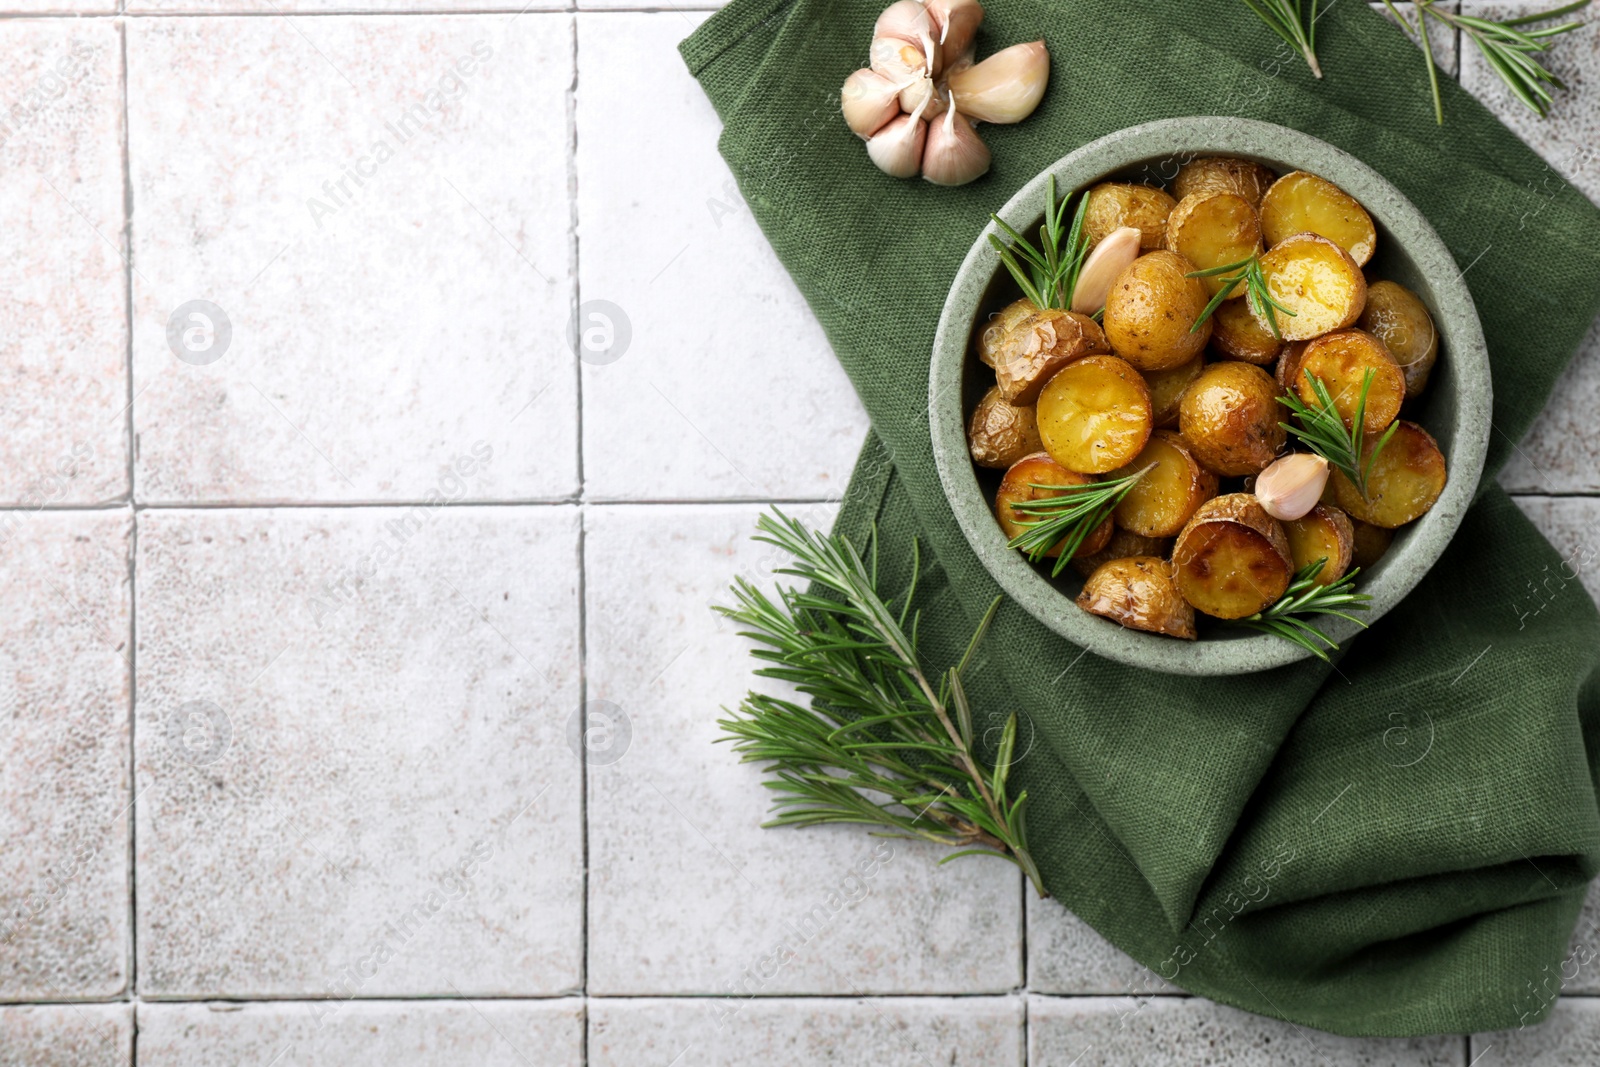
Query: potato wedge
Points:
[1237, 334]
[992, 338]
[1230, 416]
[1405, 481]
[1395, 316]
[1371, 542]
[1116, 204]
[1232, 559]
[1138, 593]
[1317, 281]
[1211, 230]
[1123, 543]
[1322, 533]
[1341, 359]
[1160, 503]
[1094, 415]
[1151, 310]
[1021, 483]
[1300, 202]
[1040, 345]
[1000, 433]
[1221, 174]
[1166, 389]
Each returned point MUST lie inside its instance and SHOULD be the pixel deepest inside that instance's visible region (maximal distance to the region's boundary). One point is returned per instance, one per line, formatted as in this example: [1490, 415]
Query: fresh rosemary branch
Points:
[877, 743]
[1297, 27]
[1507, 49]
[1323, 430]
[1305, 597]
[1068, 518]
[1256, 292]
[1047, 274]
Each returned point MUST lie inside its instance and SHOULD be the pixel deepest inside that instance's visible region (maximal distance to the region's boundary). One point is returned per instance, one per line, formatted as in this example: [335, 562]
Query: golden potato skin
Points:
[1371, 542]
[1151, 309]
[1138, 593]
[1040, 345]
[1317, 281]
[1212, 230]
[1000, 433]
[1160, 503]
[1238, 334]
[1405, 481]
[1341, 359]
[1018, 485]
[1123, 543]
[1094, 415]
[1232, 559]
[1398, 318]
[1301, 202]
[1322, 533]
[1116, 204]
[1230, 416]
[1287, 372]
[1223, 174]
[1166, 389]
[992, 338]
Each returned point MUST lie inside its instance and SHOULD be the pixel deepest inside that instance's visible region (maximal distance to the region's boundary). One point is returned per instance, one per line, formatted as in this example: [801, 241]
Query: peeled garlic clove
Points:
[909, 21]
[956, 64]
[897, 59]
[1006, 87]
[955, 154]
[1114, 252]
[868, 100]
[897, 148]
[957, 21]
[1291, 486]
[920, 93]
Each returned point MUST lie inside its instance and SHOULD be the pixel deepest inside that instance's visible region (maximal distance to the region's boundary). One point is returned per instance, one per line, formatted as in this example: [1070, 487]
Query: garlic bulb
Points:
[1006, 87]
[868, 100]
[897, 59]
[957, 21]
[909, 21]
[1292, 485]
[955, 154]
[920, 92]
[1099, 272]
[897, 148]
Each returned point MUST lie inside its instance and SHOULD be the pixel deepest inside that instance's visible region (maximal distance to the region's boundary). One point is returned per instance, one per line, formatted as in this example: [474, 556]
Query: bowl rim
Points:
[1192, 137]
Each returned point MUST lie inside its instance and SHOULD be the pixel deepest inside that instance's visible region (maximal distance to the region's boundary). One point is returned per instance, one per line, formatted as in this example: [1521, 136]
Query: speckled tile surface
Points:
[1066, 956]
[67, 1035]
[1569, 1038]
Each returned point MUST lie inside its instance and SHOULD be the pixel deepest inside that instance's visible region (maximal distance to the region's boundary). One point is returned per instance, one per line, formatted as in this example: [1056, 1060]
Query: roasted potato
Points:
[1000, 433]
[1317, 281]
[1213, 230]
[1300, 202]
[1115, 204]
[993, 336]
[1371, 542]
[1021, 483]
[1138, 593]
[1040, 345]
[1220, 174]
[1232, 559]
[1094, 415]
[1237, 334]
[1396, 317]
[1287, 372]
[1166, 389]
[1161, 502]
[1151, 310]
[1230, 418]
[1322, 533]
[1341, 359]
[1405, 480]
[1123, 543]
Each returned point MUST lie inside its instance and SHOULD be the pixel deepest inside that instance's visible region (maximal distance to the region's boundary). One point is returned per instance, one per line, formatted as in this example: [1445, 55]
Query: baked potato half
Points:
[1397, 317]
[1318, 282]
[1022, 483]
[1370, 543]
[1000, 432]
[1301, 202]
[1160, 502]
[1232, 558]
[1151, 311]
[1040, 345]
[1116, 204]
[1094, 415]
[1237, 334]
[1342, 359]
[1405, 480]
[1230, 417]
[1138, 593]
[1223, 174]
[1166, 389]
[1322, 533]
[1212, 230]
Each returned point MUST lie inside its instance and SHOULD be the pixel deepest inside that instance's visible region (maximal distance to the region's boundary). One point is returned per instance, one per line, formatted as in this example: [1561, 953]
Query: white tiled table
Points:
[298, 630]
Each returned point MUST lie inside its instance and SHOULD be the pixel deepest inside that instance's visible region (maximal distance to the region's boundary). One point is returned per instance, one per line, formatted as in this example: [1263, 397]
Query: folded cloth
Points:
[1396, 846]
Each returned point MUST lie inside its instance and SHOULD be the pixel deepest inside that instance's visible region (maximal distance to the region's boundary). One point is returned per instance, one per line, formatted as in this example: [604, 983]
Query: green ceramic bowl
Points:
[1455, 407]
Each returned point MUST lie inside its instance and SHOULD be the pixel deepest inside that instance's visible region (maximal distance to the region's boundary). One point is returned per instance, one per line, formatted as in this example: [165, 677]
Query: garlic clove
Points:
[921, 92]
[1292, 485]
[868, 100]
[957, 21]
[1099, 272]
[897, 59]
[954, 154]
[1006, 87]
[909, 21]
[897, 148]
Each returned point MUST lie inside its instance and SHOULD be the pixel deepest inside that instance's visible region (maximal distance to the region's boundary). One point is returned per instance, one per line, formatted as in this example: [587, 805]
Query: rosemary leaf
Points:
[1322, 429]
[1305, 597]
[1260, 298]
[1068, 517]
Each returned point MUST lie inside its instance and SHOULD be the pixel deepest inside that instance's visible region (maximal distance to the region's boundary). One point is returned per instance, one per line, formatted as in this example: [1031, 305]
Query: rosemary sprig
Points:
[1503, 46]
[1048, 274]
[1068, 518]
[878, 743]
[1256, 292]
[1296, 26]
[1305, 597]
[1323, 430]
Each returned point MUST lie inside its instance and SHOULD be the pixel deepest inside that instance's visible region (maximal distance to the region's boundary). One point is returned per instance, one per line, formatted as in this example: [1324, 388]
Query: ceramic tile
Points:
[1066, 955]
[1570, 1037]
[67, 1035]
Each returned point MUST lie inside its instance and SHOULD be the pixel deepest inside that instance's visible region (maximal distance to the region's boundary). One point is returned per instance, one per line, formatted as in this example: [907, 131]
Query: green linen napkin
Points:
[1396, 847]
